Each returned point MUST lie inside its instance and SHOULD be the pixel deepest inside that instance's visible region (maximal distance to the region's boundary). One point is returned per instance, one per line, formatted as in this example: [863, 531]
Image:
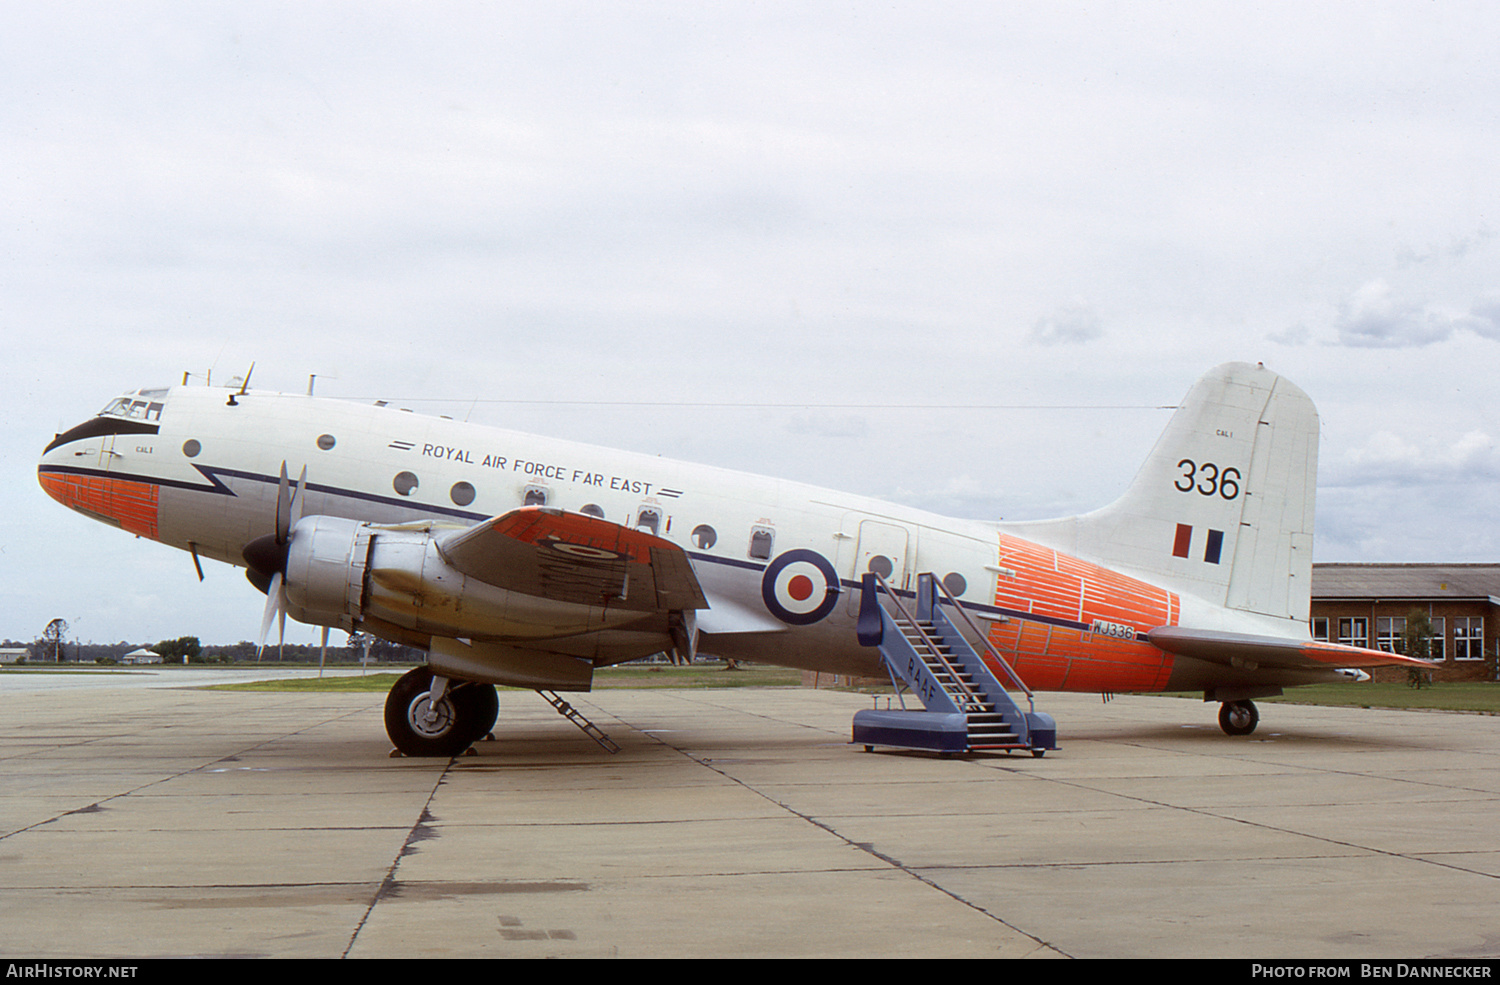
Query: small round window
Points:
[462, 493]
[405, 483]
[704, 536]
[955, 583]
[593, 510]
[191, 448]
[326, 442]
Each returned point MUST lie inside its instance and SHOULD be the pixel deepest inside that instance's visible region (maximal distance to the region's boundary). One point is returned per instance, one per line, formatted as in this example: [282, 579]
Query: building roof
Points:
[1406, 581]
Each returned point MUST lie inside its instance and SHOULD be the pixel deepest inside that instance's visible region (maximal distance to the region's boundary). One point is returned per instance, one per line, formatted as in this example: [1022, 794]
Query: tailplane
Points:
[1223, 507]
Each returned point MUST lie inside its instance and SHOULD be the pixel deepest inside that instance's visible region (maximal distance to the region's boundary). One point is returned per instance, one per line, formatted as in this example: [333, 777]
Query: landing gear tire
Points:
[417, 730]
[1238, 717]
[478, 707]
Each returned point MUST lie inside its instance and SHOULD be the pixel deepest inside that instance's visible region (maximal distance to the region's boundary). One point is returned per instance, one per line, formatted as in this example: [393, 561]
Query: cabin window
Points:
[881, 565]
[191, 448]
[593, 509]
[955, 583]
[534, 496]
[648, 520]
[405, 483]
[705, 536]
[761, 539]
[462, 493]
[326, 442]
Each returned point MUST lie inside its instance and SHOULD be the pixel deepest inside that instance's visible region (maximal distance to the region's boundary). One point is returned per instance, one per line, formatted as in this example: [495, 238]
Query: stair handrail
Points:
[972, 699]
[983, 638]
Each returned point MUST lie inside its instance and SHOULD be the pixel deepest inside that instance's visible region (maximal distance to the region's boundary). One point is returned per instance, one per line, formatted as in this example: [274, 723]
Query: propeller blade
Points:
[297, 501]
[267, 556]
[283, 508]
[274, 605]
[281, 631]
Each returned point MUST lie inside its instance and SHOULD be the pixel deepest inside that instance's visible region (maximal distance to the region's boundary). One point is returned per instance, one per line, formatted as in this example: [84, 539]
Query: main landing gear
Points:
[1238, 717]
[443, 720]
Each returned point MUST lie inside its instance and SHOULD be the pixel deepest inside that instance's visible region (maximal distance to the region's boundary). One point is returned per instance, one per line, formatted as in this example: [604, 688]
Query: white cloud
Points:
[1375, 317]
[1387, 458]
[1072, 324]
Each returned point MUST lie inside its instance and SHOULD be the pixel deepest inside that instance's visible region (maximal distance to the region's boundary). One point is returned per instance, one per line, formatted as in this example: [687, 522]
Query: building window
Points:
[1354, 632]
[1437, 647]
[1468, 638]
[1320, 629]
[1388, 633]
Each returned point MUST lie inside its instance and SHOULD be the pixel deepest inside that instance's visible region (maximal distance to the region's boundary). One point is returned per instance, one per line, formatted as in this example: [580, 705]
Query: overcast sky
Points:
[966, 252]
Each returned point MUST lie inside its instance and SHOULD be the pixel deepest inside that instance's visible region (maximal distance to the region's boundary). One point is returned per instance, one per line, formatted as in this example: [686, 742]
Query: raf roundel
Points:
[800, 587]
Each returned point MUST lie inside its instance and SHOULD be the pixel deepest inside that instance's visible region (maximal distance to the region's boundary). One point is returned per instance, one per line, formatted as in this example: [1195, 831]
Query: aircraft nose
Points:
[75, 470]
[48, 467]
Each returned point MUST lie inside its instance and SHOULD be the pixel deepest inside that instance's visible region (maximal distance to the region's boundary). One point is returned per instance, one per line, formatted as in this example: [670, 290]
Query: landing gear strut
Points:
[1238, 717]
[425, 721]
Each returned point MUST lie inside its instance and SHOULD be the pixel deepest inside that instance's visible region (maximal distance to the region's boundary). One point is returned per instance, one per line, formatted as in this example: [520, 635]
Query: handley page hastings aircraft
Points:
[519, 560]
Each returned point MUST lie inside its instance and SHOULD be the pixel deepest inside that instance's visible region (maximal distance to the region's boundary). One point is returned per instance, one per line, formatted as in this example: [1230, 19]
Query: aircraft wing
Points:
[1242, 650]
[573, 557]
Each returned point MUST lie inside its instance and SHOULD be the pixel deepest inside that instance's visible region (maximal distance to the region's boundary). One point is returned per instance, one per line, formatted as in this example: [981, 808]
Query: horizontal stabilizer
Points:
[1248, 652]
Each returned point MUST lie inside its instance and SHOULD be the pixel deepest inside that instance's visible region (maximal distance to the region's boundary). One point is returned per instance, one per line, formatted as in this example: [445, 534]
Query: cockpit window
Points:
[143, 405]
[134, 413]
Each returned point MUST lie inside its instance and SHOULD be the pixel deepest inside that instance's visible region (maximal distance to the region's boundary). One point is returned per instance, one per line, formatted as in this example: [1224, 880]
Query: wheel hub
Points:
[427, 720]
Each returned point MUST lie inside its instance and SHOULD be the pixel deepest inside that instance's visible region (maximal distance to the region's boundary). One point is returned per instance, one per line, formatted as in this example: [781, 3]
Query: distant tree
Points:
[1416, 641]
[184, 649]
[52, 639]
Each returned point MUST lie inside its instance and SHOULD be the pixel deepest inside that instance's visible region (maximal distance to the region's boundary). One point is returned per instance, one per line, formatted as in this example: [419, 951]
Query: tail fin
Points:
[1223, 507]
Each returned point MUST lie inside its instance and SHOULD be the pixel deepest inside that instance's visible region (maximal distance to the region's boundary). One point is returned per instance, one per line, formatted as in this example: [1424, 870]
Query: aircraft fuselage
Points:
[198, 468]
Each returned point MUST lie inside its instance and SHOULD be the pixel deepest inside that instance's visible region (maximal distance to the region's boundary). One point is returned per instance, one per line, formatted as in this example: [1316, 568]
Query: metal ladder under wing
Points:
[966, 709]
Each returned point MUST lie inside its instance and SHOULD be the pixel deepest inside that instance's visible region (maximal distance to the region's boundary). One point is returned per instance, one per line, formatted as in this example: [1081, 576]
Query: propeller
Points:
[266, 555]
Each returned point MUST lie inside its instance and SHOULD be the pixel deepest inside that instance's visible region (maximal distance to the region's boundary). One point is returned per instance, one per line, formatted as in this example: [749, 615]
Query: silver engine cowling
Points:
[353, 576]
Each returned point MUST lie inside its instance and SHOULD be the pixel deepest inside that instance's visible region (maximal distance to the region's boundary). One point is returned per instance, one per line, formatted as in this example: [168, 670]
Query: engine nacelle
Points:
[343, 573]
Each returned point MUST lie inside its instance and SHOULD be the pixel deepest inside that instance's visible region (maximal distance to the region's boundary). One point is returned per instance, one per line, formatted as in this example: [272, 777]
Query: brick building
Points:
[1369, 605]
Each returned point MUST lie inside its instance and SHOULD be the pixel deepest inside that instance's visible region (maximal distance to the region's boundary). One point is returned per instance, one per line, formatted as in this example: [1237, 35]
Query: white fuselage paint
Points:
[218, 454]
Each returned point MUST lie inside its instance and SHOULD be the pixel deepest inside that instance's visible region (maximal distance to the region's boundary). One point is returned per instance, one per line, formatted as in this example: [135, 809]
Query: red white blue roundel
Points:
[800, 587]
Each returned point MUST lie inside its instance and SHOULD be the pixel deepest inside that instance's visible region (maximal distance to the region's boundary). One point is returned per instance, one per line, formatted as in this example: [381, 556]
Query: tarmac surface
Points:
[150, 821]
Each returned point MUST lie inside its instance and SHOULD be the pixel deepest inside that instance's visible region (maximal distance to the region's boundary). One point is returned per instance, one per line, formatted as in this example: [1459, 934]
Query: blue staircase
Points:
[965, 707]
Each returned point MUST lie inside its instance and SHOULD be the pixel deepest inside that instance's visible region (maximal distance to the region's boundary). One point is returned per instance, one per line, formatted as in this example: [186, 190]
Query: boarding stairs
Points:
[965, 707]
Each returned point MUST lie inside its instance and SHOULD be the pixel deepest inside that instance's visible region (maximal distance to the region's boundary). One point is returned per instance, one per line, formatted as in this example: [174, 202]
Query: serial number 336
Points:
[1207, 479]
